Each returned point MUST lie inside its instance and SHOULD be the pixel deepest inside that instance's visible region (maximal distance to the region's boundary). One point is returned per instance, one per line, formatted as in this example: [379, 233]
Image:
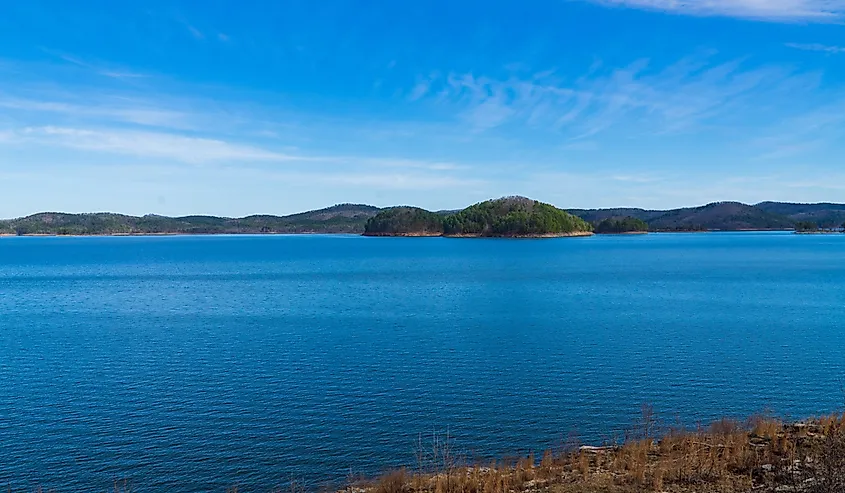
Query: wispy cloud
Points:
[581, 145]
[407, 163]
[817, 47]
[137, 113]
[801, 134]
[420, 90]
[678, 97]
[116, 74]
[399, 180]
[98, 68]
[195, 32]
[399, 173]
[634, 178]
[193, 150]
[204, 33]
[769, 10]
[396, 181]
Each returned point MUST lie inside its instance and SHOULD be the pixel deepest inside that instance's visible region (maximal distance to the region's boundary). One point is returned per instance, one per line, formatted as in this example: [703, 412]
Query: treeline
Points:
[812, 227]
[729, 216]
[506, 217]
[343, 218]
[513, 216]
[399, 221]
[621, 225]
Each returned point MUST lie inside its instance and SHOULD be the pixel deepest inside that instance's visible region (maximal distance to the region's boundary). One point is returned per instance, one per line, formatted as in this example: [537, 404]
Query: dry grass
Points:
[762, 454]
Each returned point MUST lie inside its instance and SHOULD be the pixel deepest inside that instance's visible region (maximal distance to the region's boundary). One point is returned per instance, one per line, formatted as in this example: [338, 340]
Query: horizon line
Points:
[339, 204]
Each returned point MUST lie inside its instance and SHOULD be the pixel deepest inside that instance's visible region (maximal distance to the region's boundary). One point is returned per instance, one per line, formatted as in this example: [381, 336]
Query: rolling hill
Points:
[826, 215]
[718, 216]
[343, 218]
[352, 218]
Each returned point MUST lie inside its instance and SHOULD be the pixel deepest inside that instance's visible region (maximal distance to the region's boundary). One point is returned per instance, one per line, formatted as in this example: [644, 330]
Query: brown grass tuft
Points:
[761, 454]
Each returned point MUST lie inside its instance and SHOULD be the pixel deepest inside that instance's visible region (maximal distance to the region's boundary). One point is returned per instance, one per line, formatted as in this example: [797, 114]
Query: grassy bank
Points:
[760, 454]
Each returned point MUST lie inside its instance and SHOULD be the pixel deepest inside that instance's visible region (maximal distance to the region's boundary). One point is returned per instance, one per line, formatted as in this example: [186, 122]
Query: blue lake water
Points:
[199, 363]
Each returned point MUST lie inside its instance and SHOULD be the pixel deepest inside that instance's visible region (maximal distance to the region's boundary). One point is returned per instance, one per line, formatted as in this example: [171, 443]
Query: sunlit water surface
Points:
[199, 363]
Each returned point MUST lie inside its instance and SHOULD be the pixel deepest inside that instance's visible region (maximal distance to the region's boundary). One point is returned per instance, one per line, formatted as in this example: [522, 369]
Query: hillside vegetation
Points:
[344, 218]
[505, 217]
[404, 221]
[825, 215]
[514, 217]
[721, 216]
[718, 216]
[614, 225]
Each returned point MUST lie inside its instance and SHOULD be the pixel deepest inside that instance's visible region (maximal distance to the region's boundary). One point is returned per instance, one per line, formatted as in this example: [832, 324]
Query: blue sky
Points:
[236, 108]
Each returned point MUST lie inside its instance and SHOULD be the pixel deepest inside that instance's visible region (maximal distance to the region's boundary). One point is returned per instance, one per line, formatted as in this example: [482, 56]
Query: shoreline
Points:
[125, 235]
[402, 235]
[406, 235]
[575, 234]
[761, 453]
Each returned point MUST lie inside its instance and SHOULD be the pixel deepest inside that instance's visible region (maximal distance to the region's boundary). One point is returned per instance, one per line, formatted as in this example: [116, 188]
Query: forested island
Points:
[479, 220]
[508, 217]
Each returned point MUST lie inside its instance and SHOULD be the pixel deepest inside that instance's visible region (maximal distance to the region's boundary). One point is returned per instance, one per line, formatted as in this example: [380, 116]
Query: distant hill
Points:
[343, 218]
[627, 224]
[352, 218]
[718, 216]
[826, 215]
[727, 216]
[597, 215]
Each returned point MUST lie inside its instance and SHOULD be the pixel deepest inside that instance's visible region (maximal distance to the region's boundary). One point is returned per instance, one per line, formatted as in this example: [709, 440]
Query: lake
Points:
[200, 363]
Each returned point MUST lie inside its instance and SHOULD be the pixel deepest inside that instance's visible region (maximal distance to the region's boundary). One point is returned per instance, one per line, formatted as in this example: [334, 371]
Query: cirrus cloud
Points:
[833, 50]
[150, 144]
[769, 10]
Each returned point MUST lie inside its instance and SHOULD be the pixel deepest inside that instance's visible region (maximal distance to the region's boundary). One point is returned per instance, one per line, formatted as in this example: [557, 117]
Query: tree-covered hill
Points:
[718, 216]
[597, 215]
[619, 225]
[404, 221]
[725, 216]
[344, 218]
[513, 217]
[825, 215]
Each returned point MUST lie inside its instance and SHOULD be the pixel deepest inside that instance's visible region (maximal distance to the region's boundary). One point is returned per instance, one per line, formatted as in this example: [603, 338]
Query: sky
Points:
[274, 107]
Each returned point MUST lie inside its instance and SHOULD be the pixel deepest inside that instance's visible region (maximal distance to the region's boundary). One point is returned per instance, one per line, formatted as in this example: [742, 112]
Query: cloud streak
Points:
[834, 50]
[193, 150]
[767, 10]
[679, 97]
[101, 70]
[139, 114]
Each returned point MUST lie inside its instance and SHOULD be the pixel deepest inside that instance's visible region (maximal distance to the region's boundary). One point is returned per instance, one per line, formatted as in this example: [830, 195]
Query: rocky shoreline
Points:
[759, 455]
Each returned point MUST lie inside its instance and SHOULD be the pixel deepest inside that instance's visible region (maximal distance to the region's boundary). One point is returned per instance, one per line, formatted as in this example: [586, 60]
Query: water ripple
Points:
[194, 364]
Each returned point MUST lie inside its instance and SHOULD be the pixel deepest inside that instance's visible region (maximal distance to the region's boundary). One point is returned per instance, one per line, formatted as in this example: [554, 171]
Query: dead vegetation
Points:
[761, 454]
